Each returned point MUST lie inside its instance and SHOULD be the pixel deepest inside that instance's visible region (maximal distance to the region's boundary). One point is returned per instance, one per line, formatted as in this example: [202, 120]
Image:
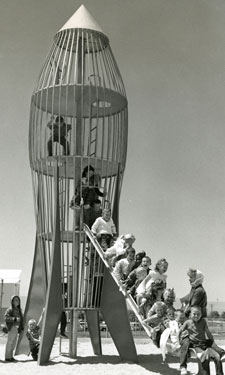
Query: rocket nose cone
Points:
[82, 19]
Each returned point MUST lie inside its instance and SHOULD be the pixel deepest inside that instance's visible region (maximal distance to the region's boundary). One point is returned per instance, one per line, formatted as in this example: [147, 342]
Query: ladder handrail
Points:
[128, 297]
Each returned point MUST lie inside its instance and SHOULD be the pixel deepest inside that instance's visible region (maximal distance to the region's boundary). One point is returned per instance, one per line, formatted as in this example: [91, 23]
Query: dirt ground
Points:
[109, 363]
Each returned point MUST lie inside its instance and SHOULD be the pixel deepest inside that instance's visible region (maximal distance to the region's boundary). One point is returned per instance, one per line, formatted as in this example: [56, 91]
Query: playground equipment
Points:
[78, 122]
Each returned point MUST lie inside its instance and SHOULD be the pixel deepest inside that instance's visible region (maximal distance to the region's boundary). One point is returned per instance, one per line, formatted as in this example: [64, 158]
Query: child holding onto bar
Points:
[33, 335]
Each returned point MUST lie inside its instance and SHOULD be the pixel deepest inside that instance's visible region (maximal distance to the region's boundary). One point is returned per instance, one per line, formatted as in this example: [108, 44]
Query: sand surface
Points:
[109, 363]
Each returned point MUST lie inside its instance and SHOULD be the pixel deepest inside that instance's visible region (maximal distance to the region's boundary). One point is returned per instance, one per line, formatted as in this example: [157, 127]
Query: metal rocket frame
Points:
[80, 81]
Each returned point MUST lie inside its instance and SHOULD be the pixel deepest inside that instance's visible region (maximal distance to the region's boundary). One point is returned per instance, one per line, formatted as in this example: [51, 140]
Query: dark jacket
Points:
[197, 297]
[11, 316]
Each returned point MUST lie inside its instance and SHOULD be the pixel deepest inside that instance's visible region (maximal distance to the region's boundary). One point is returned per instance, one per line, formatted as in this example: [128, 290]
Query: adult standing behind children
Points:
[14, 322]
[197, 295]
[58, 133]
[104, 229]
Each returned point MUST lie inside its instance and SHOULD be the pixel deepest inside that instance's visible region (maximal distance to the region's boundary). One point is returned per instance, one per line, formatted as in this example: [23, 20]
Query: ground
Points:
[150, 361]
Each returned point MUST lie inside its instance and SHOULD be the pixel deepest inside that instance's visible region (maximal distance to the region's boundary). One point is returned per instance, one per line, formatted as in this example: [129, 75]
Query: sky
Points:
[171, 54]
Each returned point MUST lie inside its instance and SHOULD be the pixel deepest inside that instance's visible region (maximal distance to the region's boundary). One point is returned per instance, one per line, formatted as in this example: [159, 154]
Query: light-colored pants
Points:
[11, 342]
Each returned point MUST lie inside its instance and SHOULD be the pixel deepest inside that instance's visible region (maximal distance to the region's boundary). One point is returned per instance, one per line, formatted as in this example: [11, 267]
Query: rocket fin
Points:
[114, 310]
[53, 307]
[36, 296]
[92, 318]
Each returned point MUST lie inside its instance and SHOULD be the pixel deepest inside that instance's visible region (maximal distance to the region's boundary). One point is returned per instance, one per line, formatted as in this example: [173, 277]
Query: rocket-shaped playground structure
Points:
[78, 122]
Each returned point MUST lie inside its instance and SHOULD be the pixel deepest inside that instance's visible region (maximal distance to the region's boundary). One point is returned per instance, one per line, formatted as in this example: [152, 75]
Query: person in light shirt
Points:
[104, 230]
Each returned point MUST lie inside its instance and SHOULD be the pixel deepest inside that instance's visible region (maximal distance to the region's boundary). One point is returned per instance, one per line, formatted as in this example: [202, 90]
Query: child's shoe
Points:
[183, 371]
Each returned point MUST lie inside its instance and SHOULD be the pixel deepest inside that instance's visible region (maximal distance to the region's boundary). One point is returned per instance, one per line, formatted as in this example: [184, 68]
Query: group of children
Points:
[170, 329]
[174, 331]
[177, 331]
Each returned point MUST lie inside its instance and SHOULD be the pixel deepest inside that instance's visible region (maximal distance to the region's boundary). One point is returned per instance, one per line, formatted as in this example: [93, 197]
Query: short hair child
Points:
[33, 335]
[198, 330]
[105, 230]
[124, 266]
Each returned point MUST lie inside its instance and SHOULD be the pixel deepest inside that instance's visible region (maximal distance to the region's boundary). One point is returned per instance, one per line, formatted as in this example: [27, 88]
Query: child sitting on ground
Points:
[136, 276]
[124, 266]
[104, 229]
[33, 335]
[156, 322]
[197, 329]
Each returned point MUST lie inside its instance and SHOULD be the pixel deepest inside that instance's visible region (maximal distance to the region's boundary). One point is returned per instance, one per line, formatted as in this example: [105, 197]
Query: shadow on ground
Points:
[154, 363]
[150, 362]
